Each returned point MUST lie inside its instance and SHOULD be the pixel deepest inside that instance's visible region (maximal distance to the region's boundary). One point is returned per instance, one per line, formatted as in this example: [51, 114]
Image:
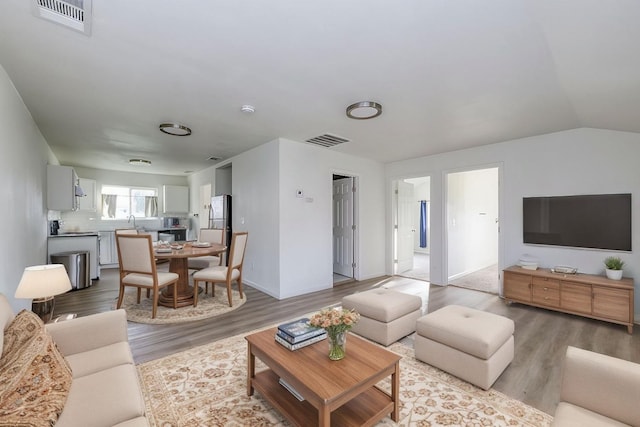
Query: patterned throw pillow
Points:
[34, 377]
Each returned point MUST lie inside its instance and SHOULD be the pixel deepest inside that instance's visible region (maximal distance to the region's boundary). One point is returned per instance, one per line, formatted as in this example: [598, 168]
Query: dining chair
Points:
[138, 269]
[224, 274]
[208, 235]
[126, 231]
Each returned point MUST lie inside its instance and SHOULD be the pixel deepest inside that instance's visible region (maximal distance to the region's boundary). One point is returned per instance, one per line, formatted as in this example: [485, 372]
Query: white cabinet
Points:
[88, 202]
[61, 188]
[108, 251]
[175, 198]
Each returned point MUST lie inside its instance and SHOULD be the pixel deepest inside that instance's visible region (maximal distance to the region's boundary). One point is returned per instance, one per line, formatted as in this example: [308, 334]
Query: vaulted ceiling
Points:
[450, 74]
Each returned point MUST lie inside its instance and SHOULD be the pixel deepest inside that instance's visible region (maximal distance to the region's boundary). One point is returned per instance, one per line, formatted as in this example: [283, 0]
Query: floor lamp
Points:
[42, 283]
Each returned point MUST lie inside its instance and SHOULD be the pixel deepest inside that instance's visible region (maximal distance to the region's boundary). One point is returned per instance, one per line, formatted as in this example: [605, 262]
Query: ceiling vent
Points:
[75, 14]
[327, 140]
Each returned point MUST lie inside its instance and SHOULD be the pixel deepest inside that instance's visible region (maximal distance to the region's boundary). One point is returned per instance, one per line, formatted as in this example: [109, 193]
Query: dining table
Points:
[178, 263]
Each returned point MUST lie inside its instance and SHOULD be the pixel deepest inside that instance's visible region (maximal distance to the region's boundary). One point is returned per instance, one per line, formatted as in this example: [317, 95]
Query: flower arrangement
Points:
[336, 321]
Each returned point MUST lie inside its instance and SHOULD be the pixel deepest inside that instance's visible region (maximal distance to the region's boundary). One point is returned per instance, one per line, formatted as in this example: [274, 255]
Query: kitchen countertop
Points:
[75, 234]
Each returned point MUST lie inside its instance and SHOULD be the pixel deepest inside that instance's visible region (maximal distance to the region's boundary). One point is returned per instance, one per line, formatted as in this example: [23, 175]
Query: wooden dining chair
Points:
[208, 235]
[126, 231]
[222, 274]
[138, 269]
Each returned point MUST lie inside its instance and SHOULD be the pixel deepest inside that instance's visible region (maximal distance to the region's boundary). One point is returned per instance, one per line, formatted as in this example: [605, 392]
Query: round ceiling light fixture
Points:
[140, 162]
[364, 110]
[175, 129]
[249, 109]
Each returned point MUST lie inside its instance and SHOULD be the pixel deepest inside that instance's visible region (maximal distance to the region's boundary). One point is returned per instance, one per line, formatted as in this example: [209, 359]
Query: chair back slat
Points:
[135, 253]
[212, 235]
[238, 245]
[126, 231]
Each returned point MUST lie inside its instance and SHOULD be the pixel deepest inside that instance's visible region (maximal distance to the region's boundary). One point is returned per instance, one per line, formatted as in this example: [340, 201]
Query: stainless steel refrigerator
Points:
[220, 217]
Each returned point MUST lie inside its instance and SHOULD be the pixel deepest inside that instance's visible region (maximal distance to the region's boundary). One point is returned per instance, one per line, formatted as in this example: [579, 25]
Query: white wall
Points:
[23, 214]
[580, 161]
[289, 251]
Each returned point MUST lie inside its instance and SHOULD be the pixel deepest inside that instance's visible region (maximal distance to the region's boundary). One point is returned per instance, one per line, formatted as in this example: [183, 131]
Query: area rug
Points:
[208, 306]
[206, 386]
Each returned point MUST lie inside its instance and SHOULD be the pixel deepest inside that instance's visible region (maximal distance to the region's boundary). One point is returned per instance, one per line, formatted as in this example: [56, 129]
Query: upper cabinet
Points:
[176, 199]
[88, 202]
[62, 188]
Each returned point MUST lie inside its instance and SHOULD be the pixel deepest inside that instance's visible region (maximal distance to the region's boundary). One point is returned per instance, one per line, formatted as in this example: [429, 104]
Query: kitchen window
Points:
[119, 202]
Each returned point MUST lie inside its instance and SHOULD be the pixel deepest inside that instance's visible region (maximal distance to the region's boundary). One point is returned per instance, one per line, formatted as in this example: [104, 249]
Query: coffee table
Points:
[339, 393]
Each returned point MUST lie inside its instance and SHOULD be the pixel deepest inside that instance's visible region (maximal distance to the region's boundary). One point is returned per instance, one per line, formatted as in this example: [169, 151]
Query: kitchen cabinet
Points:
[175, 199]
[77, 242]
[582, 294]
[88, 202]
[109, 250]
[61, 188]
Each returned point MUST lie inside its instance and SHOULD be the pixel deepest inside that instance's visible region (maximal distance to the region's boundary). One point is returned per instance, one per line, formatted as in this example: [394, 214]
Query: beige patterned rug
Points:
[208, 306]
[206, 386]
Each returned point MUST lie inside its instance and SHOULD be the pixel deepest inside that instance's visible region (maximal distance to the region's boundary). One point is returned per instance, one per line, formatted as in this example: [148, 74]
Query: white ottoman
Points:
[473, 345]
[385, 315]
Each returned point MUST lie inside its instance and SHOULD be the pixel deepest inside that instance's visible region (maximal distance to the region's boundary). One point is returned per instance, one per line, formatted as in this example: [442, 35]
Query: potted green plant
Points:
[614, 266]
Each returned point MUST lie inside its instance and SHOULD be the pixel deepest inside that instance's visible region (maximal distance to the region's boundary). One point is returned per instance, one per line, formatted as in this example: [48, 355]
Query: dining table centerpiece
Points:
[337, 322]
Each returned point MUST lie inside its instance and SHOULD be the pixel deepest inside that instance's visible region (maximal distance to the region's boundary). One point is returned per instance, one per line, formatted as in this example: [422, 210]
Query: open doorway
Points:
[345, 229]
[472, 229]
[412, 239]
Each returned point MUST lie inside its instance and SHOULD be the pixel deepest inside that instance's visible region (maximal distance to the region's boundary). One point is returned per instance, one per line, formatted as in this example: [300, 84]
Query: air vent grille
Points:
[74, 14]
[327, 140]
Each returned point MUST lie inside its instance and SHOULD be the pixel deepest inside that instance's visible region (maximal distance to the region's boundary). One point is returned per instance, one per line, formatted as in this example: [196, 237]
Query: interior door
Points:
[343, 230]
[406, 209]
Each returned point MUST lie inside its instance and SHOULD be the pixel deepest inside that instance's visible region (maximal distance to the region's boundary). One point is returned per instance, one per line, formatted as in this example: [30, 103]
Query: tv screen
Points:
[599, 221]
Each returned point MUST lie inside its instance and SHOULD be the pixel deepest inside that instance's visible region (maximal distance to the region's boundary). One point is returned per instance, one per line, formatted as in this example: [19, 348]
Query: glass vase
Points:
[337, 345]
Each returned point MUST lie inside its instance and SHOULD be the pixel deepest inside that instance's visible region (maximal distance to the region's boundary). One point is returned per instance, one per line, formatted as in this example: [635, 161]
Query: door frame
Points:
[445, 231]
[356, 219]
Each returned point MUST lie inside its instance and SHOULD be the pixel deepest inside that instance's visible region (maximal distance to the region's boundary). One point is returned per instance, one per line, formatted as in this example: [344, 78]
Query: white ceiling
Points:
[450, 74]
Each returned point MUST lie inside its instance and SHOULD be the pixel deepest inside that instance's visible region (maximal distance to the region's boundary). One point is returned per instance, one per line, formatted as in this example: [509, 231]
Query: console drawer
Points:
[545, 291]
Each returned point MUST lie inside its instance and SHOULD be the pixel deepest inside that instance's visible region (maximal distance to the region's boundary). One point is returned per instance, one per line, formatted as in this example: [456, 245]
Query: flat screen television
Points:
[597, 221]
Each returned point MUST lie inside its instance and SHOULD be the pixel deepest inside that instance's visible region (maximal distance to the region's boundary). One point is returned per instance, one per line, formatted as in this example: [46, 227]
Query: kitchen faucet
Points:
[134, 220]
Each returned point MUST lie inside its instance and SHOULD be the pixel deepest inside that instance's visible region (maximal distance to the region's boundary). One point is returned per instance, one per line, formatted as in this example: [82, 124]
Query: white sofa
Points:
[598, 390]
[104, 390]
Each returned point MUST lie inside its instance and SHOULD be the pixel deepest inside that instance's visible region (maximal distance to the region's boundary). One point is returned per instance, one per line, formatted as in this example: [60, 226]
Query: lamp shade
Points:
[41, 281]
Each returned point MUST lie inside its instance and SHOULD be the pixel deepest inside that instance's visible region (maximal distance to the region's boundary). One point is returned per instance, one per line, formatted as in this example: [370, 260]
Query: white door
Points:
[343, 227]
[203, 208]
[406, 209]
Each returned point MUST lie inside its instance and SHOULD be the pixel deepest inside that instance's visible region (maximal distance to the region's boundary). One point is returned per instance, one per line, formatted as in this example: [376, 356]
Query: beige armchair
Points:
[598, 390]
[221, 274]
[138, 269]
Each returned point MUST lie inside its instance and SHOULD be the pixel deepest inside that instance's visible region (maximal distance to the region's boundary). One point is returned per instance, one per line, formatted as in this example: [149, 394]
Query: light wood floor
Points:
[533, 377]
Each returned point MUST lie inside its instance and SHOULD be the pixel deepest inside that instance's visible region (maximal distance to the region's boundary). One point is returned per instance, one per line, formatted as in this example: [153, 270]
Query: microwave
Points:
[169, 222]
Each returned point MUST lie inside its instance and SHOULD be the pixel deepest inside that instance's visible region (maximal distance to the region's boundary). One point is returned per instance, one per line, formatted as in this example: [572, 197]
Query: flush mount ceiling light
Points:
[248, 109]
[175, 129]
[364, 110]
[140, 162]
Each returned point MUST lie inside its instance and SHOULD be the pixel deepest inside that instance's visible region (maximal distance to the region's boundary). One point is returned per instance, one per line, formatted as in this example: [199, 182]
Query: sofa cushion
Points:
[35, 380]
[105, 398]
[568, 415]
[6, 316]
[99, 359]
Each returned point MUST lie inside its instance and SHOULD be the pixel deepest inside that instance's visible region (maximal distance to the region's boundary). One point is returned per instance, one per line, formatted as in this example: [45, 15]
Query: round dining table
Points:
[179, 264]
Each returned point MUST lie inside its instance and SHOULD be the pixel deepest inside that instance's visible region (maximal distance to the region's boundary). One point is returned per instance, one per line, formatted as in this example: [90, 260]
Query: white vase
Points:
[614, 274]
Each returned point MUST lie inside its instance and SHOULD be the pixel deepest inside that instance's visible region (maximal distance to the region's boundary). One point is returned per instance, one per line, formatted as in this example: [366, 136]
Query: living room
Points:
[596, 155]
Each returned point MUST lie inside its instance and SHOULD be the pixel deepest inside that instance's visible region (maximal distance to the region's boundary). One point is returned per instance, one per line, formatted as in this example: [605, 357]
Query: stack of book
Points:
[298, 334]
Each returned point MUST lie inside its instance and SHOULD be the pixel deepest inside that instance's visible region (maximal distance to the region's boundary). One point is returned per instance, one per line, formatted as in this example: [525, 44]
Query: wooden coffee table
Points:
[339, 393]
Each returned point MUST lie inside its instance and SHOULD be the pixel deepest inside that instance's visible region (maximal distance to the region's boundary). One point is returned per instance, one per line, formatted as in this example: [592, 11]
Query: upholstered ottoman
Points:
[385, 315]
[470, 344]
